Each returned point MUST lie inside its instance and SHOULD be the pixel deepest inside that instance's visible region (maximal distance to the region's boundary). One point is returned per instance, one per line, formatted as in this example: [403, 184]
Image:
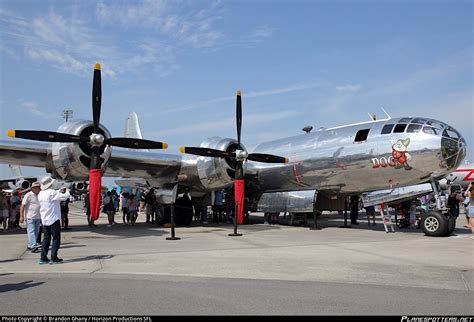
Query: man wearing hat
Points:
[30, 205]
[50, 210]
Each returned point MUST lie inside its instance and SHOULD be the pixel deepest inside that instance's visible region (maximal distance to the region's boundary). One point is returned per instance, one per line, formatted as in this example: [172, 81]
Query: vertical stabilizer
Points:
[132, 127]
[16, 170]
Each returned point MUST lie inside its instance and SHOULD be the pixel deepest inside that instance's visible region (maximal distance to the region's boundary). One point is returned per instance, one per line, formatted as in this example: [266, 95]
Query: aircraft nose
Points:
[453, 148]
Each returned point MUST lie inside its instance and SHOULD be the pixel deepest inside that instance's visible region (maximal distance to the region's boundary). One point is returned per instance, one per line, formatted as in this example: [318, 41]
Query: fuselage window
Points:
[361, 135]
[419, 120]
[387, 128]
[405, 120]
[414, 128]
[429, 130]
[399, 128]
[437, 125]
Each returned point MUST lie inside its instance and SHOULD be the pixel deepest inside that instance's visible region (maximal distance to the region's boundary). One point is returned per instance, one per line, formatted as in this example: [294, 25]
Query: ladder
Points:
[387, 219]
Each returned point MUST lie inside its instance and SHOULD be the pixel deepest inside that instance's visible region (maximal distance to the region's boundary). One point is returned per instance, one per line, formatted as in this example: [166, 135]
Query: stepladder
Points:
[388, 223]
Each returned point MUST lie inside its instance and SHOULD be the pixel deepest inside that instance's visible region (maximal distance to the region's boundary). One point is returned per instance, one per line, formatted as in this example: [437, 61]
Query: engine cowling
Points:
[71, 161]
[217, 173]
[80, 185]
[20, 184]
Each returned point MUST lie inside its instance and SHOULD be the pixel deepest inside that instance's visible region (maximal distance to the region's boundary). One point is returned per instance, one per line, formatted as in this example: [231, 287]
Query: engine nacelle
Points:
[19, 184]
[81, 185]
[217, 173]
[71, 161]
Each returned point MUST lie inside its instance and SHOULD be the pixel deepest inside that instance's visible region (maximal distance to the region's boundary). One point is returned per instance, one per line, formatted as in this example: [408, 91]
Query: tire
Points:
[402, 223]
[434, 224]
[451, 225]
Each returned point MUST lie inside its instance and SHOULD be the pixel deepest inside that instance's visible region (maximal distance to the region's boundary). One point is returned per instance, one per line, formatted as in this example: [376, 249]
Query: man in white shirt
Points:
[30, 205]
[50, 210]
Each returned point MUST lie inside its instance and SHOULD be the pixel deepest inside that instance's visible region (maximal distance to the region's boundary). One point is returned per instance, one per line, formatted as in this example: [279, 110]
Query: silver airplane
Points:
[461, 177]
[17, 181]
[321, 170]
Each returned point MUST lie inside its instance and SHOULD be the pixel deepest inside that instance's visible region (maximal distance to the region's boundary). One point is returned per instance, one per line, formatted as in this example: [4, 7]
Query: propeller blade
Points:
[239, 116]
[46, 136]
[136, 143]
[95, 184]
[267, 158]
[206, 152]
[96, 97]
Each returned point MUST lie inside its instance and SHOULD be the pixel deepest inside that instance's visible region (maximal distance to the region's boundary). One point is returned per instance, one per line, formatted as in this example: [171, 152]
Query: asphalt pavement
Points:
[270, 270]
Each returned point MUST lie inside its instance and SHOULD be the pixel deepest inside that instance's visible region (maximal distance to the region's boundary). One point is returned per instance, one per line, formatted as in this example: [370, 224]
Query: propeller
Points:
[239, 156]
[96, 140]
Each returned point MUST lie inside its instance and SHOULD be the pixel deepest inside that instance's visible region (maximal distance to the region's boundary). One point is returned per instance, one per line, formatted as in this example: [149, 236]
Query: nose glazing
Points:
[453, 148]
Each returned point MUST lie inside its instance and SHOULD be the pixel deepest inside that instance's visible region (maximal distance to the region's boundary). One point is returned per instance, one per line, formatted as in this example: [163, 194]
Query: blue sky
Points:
[178, 65]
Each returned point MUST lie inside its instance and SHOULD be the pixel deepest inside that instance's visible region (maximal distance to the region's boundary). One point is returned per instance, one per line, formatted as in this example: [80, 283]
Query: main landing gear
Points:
[437, 222]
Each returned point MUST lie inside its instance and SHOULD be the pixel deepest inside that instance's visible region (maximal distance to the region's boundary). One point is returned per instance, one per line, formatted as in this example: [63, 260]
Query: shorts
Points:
[470, 211]
[5, 213]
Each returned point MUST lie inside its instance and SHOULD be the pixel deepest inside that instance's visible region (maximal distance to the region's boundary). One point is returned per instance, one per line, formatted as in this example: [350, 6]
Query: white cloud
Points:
[143, 13]
[32, 107]
[225, 123]
[261, 33]
[251, 94]
[349, 88]
[455, 63]
[190, 27]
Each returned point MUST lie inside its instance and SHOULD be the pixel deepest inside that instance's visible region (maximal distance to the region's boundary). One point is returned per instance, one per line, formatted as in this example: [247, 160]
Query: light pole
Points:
[67, 114]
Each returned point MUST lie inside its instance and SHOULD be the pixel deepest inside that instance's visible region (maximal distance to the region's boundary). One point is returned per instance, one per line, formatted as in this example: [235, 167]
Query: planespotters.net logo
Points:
[437, 318]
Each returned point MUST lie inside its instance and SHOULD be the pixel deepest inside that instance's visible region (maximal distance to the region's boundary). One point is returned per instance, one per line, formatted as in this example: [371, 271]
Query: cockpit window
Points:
[387, 129]
[405, 120]
[399, 128]
[419, 120]
[414, 128]
[430, 130]
[436, 125]
[450, 133]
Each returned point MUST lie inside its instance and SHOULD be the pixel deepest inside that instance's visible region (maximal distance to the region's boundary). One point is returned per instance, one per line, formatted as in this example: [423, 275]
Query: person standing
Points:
[4, 209]
[88, 209]
[218, 209]
[50, 210]
[150, 205]
[65, 211]
[15, 203]
[354, 210]
[470, 205]
[31, 207]
[109, 207]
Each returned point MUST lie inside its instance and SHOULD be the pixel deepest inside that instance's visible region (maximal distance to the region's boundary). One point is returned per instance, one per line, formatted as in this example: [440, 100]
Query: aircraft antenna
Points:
[386, 113]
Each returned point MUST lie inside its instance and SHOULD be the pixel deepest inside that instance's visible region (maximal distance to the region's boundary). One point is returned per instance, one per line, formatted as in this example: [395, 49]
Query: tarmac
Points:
[270, 269]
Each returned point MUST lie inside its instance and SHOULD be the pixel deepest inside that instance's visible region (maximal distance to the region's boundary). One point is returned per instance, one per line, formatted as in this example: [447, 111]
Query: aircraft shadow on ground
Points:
[18, 286]
[121, 231]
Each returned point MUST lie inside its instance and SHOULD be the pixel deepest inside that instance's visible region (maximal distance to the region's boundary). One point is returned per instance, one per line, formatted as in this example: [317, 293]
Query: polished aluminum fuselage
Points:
[330, 159]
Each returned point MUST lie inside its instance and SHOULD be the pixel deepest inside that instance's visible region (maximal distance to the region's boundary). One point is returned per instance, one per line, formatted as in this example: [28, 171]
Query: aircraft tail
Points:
[132, 127]
[16, 170]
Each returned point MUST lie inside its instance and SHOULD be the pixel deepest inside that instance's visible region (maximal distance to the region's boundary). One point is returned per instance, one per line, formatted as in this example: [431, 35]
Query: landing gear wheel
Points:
[434, 224]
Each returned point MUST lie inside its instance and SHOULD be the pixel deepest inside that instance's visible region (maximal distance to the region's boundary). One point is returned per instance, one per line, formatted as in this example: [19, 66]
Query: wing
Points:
[156, 167]
[33, 154]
